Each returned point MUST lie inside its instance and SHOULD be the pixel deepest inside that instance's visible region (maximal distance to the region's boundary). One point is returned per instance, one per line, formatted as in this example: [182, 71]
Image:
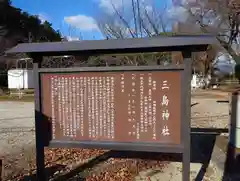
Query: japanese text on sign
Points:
[129, 106]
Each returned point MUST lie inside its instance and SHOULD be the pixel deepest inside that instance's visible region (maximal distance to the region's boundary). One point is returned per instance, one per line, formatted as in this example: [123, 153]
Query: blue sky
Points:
[76, 18]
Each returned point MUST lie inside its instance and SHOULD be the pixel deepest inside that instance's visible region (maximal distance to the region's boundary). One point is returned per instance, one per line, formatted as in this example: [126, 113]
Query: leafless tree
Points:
[219, 17]
[137, 19]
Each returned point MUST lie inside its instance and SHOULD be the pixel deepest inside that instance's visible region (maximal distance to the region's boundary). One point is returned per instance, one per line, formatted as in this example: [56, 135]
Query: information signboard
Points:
[117, 106]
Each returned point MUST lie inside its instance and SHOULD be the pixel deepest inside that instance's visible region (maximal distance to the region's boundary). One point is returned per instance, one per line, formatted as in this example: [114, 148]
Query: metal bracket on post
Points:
[40, 161]
[187, 56]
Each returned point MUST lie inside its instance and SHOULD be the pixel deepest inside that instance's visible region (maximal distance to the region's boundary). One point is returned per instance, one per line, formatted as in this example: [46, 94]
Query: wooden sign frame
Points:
[185, 44]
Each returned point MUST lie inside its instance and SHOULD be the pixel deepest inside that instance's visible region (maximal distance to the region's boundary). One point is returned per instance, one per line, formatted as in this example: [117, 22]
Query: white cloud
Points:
[71, 38]
[43, 17]
[178, 13]
[82, 22]
[149, 8]
[110, 5]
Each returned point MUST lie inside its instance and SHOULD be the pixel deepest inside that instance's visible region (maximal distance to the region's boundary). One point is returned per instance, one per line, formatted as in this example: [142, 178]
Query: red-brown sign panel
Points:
[131, 106]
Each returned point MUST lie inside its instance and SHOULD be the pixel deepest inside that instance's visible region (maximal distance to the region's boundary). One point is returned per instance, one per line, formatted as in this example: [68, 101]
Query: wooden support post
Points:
[1, 169]
[40, 161]
[187, 122]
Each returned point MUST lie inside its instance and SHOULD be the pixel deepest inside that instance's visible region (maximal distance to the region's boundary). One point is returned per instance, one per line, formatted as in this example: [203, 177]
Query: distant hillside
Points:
[16, 27]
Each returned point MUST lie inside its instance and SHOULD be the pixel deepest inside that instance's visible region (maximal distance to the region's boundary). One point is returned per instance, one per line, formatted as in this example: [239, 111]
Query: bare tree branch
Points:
[137, 20]
[220, 17]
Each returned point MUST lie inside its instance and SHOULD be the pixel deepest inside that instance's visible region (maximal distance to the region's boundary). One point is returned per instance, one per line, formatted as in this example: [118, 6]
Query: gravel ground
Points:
[17, 126]
[16, 135]
[208, 113]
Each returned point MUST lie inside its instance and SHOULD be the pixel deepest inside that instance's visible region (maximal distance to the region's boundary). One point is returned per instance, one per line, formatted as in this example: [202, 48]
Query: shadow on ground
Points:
[202, 143]
[232, 165]
[49, 173]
